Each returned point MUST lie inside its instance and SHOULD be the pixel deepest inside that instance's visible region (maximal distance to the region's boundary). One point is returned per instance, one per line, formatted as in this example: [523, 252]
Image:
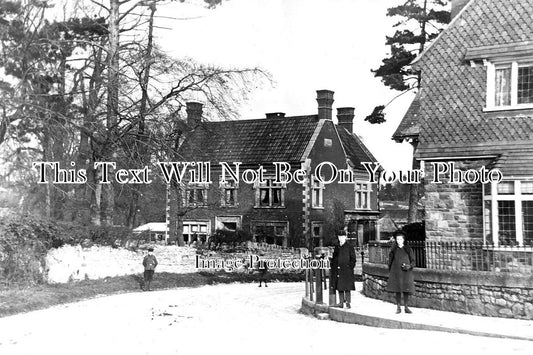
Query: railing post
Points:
[319, 296]
[332, 291]
[311, 291]
[307, 283]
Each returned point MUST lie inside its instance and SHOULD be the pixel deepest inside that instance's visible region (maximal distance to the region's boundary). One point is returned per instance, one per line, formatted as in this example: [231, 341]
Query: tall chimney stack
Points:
[325, 103]
[345, 117]
[457, 6]
[194, 114]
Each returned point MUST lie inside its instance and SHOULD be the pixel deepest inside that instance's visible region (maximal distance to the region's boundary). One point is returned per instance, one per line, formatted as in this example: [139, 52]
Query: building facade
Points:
[472, 125]
[306, 212]
[475, 110]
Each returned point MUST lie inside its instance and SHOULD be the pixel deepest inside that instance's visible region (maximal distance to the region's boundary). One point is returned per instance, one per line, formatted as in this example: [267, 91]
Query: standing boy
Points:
[149, 263]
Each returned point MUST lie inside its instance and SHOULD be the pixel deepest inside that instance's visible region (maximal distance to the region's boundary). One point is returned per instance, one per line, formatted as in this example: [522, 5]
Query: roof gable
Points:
[355, 150]
[451, 117]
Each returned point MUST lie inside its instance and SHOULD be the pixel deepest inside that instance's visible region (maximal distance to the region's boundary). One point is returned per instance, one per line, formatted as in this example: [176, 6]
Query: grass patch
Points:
[25, 299]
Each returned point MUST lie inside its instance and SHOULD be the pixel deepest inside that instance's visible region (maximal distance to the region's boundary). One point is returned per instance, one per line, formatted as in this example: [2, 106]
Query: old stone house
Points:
[303, 213]
[475, 110]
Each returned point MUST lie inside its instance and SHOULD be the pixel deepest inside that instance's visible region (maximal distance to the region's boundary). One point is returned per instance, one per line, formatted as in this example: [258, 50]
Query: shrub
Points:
[25, 240]
[228, 237]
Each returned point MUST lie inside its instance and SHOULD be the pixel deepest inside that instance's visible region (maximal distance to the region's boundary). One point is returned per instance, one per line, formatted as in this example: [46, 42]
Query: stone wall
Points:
[479, 293]
[71, 263]
[453, 211]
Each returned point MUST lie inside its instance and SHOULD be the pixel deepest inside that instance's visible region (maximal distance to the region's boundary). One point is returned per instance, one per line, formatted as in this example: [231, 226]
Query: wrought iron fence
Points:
[461, 256]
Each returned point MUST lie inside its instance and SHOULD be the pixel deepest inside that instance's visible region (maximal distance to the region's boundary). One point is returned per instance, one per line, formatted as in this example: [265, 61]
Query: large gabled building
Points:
[304, 213]
[475, 109]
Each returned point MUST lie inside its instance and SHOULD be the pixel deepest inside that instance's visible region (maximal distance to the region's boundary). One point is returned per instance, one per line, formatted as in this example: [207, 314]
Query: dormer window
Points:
[509, 74]
[510, 85]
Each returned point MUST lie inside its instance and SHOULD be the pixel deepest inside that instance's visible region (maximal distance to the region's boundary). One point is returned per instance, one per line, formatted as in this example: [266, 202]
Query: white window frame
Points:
[363, 191]
[219, 221]
[188, 229]
[517, 197]
[270, 185]
[491, 84]
[317, 193]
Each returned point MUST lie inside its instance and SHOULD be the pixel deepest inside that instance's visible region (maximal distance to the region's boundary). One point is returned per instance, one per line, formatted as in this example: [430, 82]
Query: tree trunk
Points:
[108, 190]
[140, 144]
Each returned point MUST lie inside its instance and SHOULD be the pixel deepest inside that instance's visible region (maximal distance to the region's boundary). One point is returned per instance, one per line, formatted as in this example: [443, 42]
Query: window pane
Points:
[506, 222]
[488, 222]
[525, 85]
[276, 197]
[527, 219]
[506, 188]
[265, 197]
[527, 187]
[200, 194]
[230, 196]
[503, 87]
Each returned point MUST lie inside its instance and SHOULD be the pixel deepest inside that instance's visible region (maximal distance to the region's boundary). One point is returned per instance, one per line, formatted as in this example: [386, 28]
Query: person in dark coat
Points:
[264, 274]
[342, 265]
[149, 263]
[401, 264]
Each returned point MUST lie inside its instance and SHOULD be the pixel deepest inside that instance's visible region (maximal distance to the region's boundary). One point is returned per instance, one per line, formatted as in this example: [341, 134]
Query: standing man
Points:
[342, 265]
[149, 263]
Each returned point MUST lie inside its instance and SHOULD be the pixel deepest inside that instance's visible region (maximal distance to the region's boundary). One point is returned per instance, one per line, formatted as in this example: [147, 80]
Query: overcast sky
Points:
[306, 45]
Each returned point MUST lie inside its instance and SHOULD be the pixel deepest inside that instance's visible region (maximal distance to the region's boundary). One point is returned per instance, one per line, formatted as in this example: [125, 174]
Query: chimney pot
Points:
[325, 103]
[194, 113]
[345, 117]
[275, 115]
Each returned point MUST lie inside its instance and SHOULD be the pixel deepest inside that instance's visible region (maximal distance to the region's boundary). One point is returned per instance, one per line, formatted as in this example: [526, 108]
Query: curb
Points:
[340, 315]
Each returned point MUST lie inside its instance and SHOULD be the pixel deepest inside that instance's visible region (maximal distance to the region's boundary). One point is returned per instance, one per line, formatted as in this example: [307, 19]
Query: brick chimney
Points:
[194, 113]
[345, 117]
[457, 6]
[325, 103]
[275, 115]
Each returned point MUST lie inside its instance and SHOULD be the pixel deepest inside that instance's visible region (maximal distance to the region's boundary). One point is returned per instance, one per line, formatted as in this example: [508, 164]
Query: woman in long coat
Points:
[342, 265]
[401, 263]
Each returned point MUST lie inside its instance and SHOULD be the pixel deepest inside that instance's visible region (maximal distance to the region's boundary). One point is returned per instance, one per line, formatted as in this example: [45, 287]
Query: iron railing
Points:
[461, 256]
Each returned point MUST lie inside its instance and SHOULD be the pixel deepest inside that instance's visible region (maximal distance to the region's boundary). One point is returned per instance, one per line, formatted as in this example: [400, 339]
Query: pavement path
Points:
[221, 319]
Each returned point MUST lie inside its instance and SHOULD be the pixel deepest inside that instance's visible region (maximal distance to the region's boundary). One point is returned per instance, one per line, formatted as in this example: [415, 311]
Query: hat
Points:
[150, 249]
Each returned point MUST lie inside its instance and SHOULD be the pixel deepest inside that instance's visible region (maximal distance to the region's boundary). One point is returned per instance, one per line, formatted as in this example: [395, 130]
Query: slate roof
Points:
[264, 141]
[250, 141]
[354, 148]
[409, 126]
[451, 117]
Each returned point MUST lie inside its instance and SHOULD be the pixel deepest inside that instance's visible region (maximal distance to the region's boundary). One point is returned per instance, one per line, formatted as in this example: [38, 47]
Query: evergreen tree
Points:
[420, 21]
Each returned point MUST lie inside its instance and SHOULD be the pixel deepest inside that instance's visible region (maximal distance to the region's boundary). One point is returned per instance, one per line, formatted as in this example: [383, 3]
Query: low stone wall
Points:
[479, 293]
[74, 263]
[71, 263]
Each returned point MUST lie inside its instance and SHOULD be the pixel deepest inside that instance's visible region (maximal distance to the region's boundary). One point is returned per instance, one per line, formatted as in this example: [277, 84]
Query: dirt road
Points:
[222, 319]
